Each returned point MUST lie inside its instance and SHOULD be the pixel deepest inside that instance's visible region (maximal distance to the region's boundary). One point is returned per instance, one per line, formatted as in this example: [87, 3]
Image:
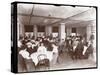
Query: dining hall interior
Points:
[54, 37]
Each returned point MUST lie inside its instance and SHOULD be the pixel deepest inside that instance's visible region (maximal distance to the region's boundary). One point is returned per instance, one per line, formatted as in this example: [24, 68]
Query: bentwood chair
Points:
[43, 62]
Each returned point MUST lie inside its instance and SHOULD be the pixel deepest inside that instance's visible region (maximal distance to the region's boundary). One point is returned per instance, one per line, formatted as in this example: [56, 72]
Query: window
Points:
[28, 28]
[55, 29]
[41, 28]
[73, 30]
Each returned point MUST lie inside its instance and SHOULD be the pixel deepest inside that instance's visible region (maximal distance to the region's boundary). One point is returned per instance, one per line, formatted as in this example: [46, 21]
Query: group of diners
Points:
[31, 48]
[79, 48]
[53, 47]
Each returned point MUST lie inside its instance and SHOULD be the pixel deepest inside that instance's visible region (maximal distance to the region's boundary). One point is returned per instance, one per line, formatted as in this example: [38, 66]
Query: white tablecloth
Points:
[24, 54]
[34, 56]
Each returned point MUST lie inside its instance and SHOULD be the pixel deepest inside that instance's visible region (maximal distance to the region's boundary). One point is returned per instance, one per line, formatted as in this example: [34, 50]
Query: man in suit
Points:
[79, 48]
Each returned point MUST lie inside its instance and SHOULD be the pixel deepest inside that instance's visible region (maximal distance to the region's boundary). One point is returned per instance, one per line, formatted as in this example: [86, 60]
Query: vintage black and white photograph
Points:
[54, 37]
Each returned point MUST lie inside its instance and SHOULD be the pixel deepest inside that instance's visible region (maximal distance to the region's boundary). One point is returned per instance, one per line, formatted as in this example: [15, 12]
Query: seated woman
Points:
[42, 49]
[61, 45]
[22, 55]
[29, 48]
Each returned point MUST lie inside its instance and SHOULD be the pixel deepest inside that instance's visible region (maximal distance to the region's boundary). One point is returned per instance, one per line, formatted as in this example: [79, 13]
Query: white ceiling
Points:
[37, 14]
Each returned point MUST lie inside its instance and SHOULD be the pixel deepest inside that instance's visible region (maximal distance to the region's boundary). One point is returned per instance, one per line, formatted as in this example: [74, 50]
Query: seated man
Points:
[89, 51]
[79, 49]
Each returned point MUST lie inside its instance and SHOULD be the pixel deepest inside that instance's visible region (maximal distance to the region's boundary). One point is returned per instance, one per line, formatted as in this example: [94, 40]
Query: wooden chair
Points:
[43, 62]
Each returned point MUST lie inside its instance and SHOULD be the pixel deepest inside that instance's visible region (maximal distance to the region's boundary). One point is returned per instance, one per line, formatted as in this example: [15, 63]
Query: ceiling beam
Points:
[48, 17]
[75, 24]
[82, 23]
[69, 17]
[31, 14]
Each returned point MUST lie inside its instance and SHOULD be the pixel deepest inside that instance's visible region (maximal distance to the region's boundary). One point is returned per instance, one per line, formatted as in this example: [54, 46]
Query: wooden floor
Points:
[65, 62]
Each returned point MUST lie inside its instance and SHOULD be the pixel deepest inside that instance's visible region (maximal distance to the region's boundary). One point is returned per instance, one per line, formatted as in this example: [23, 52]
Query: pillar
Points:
[62, 31]
[88, 32]
[94, 41]
[35, 31]
[68, 31]
[20, 29]
[48, 30]
[93, 31]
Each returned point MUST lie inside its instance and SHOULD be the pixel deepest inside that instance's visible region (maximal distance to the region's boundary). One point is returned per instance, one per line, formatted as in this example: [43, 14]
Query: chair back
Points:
[43, 61]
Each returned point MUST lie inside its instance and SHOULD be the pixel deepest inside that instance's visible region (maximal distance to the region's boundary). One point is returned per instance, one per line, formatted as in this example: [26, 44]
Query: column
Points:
[88, 32]
[20, 28]
[35, 31]
[68, 31]
[48, 30]
[62, 31]
[94, 41]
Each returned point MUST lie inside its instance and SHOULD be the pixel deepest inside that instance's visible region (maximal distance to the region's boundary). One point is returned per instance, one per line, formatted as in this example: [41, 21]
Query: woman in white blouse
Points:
[42, 49]
[55, 53]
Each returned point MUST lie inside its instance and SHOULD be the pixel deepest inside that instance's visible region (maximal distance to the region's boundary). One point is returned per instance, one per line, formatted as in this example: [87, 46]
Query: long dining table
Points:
[34, 56]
